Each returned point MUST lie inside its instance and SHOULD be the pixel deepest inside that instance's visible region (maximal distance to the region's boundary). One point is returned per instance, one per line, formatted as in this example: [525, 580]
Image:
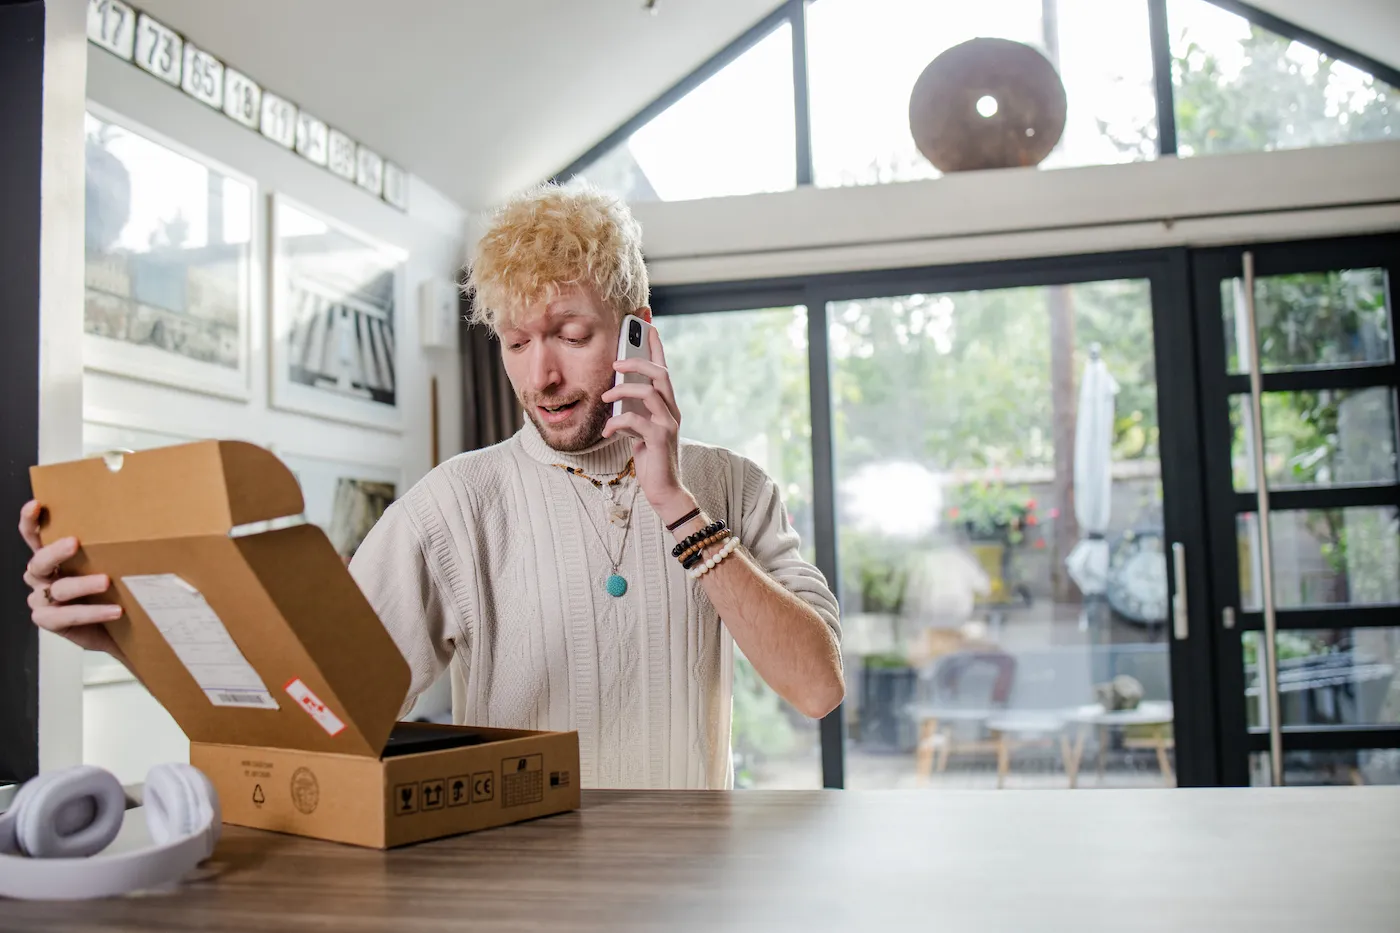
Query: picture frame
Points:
[343, 497]
[337, 311]
[172, 251]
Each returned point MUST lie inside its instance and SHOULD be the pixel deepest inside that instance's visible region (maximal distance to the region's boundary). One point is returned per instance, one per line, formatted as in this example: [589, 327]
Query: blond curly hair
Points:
[550, 238]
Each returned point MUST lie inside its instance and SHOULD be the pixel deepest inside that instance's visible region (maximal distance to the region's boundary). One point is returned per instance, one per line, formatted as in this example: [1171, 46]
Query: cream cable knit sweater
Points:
[489, 566]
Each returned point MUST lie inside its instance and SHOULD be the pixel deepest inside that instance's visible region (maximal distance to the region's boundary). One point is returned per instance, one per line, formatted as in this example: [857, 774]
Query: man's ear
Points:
[644, 313]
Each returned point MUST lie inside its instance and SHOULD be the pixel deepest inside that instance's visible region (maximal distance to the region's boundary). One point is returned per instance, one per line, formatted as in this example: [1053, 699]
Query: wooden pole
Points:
[433, 417]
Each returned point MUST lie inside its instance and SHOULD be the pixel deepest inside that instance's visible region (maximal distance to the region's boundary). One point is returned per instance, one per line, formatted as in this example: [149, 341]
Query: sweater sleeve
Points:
[392, 571]
[775, 545]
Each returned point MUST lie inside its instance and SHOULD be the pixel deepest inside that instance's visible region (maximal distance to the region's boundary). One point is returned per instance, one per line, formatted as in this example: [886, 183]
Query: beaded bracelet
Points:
[696, 554]
[683, 519]
[698, 546]
[710, 563]
[701, 535]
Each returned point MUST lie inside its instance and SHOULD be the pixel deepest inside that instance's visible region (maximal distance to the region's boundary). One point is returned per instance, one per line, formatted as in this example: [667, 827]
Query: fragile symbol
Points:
[258, 797]
[406, 799]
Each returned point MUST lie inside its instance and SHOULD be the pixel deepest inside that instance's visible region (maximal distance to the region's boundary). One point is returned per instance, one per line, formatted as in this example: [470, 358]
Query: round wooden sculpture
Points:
[987, 103]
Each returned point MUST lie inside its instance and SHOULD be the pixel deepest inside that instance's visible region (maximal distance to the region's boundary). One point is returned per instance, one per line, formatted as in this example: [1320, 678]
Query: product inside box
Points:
[248, 628]
[411, 738]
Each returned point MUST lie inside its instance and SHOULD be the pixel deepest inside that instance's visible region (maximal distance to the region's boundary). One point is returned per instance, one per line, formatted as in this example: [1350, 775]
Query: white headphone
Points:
[59, 819]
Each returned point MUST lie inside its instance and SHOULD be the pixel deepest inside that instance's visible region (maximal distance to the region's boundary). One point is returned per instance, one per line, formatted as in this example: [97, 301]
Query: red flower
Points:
[1032, 520]
[1039, 544]
[1054, 513]
[1030, 504]
[953, 514]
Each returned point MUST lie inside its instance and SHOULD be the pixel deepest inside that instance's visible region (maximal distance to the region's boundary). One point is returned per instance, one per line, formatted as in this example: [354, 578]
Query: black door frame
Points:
[1209, 267]
[1167, 271]
[21, 114]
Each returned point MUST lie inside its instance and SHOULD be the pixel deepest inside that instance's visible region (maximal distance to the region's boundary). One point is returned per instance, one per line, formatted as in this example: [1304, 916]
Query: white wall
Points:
[125, 729]
[60, 337]
[1017, 213]
[431, 232]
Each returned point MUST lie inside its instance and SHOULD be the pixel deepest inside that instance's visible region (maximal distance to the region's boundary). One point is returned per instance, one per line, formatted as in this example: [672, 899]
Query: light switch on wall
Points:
[438, 314]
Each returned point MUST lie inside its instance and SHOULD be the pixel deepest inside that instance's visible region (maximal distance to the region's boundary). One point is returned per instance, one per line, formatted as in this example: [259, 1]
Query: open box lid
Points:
[203, 595]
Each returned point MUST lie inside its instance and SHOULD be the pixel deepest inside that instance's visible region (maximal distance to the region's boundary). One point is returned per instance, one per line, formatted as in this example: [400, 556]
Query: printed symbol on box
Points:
[432, 793]
[459, 790]
[522, 780]
[483, 786]
[406, 799]
[258, 798]
[558, 779]
[306, 793]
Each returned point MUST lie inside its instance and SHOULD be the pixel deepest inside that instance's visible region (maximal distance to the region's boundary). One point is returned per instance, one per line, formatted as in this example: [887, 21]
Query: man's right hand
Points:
[52, 596]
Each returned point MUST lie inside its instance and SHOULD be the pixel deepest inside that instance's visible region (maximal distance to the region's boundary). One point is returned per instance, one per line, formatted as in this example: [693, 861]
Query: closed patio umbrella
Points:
[1093, 476]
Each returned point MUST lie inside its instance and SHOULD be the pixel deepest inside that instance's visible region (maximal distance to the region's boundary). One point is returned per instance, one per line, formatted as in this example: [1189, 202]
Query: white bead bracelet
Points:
[699, 570]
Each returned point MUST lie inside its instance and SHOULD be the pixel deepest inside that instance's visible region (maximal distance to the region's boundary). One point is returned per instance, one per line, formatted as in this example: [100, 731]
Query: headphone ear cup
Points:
[72, 813]
[180, 802]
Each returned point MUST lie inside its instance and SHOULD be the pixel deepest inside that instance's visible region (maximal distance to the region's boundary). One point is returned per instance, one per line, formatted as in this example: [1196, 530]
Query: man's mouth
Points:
[554, 414]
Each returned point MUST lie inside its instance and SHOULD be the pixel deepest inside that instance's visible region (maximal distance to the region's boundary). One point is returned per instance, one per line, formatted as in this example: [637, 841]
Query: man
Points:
[542, 571]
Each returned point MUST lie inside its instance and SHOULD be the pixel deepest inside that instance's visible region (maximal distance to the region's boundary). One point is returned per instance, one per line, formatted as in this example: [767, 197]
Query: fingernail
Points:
[113, 612]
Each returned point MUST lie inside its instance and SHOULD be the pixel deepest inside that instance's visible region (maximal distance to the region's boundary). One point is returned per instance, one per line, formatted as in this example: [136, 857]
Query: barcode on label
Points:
[257, 699]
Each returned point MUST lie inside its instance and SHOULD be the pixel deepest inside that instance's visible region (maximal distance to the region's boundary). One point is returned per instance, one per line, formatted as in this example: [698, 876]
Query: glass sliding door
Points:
[741, 381]
[1299, 396]
[1002, 547]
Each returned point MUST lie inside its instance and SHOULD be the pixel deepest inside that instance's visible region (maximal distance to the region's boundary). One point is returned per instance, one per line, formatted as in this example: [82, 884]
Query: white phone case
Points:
[626, 350]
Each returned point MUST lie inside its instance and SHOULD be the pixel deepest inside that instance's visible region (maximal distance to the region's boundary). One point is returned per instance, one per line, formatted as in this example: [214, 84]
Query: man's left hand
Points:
[655, 449]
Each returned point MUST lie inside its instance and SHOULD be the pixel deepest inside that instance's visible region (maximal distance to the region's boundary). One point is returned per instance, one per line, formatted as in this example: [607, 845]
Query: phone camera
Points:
[634, 333]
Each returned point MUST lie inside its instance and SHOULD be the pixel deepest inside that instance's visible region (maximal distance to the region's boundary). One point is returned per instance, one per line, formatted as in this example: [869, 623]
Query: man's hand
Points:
[655, 452]
[52, 593]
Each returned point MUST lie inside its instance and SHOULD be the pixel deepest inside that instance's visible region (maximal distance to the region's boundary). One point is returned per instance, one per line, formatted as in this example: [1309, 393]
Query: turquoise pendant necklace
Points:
[616, 584]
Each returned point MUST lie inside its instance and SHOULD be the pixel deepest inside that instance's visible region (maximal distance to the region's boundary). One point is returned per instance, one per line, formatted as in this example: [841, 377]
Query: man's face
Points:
[559, 359]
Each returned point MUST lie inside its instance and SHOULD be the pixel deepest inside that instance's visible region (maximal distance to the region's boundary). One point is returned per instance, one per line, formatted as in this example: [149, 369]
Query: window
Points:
[865, 55]
[734, 134]
[751, 396]
[1241, 88]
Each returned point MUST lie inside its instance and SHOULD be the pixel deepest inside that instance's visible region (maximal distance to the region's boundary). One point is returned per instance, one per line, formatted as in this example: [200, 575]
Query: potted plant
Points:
[998, 520]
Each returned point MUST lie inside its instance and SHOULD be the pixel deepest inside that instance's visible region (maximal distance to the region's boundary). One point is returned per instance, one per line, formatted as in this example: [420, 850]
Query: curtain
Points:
[490, 412]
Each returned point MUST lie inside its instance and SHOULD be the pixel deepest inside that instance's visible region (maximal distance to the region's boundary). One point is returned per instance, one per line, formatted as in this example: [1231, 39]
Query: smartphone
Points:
[633, 343]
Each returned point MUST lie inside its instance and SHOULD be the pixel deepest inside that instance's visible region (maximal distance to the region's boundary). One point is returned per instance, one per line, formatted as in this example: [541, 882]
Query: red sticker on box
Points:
[314, 707]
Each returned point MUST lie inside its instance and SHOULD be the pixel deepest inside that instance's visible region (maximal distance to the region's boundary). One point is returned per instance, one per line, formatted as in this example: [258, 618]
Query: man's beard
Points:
[588, 432]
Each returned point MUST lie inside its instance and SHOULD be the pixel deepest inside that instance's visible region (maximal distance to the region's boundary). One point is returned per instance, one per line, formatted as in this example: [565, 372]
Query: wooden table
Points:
[1283, 860]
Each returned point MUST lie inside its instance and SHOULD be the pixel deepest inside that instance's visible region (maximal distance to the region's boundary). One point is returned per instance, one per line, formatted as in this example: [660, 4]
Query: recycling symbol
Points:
[258, 797]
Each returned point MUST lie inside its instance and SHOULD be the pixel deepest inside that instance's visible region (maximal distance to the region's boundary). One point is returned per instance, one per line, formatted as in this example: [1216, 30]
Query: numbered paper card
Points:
[342, 155]
[112, 25]
[204, 77]
[200, 640]
[242, 98]
[395, 186]
[312, 138]
[159, 49]
[279, 120]
[369, 172]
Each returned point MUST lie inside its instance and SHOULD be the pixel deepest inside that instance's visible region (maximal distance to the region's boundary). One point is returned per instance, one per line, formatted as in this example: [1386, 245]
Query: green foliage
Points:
[992, 510]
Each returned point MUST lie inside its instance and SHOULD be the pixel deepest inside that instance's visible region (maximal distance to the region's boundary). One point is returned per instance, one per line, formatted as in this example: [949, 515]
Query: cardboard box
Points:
[253, 634]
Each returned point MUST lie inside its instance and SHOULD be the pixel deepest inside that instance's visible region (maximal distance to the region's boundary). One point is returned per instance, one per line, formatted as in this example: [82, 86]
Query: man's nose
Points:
[544, 369]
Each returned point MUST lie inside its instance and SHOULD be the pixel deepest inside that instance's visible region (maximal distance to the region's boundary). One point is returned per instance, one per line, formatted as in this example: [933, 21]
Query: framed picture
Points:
[343, 498]
[336, 300]
[169, 261]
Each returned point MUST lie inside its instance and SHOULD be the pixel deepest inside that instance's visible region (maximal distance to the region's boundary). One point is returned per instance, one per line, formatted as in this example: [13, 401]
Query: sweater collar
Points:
[607, 457]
